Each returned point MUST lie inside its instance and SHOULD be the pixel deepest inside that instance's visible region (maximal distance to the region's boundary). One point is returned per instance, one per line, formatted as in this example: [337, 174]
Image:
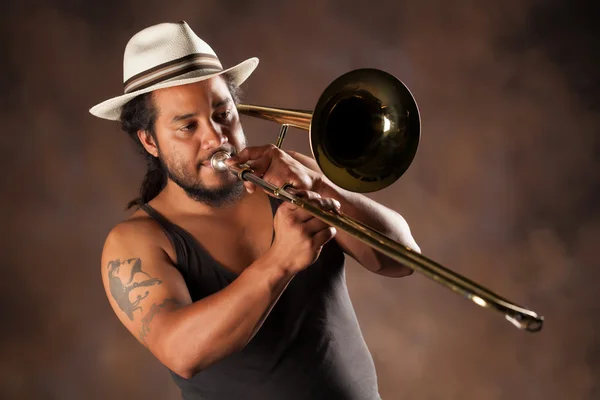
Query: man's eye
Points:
[226, 115]
[188, 127]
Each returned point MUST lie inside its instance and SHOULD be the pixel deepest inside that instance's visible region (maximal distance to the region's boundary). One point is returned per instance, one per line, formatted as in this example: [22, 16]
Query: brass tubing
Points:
[518, 316]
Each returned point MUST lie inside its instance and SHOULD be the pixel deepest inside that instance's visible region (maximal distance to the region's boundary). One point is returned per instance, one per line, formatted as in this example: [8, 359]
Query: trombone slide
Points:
[520, 317]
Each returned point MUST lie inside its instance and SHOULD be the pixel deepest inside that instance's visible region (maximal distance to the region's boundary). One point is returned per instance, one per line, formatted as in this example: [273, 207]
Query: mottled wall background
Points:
[504, 188]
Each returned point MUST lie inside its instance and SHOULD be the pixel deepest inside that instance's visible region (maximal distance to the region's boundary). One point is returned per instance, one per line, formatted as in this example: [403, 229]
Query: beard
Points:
[219, 197]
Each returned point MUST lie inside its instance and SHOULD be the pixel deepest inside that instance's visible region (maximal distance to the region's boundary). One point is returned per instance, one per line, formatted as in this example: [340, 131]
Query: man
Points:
[238, 295]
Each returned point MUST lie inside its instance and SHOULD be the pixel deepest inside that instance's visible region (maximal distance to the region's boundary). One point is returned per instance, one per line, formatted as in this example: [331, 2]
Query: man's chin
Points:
[219, 196]
[224, 184]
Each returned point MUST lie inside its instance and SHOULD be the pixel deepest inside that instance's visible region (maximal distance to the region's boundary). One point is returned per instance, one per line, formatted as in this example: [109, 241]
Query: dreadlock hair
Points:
[139, 114]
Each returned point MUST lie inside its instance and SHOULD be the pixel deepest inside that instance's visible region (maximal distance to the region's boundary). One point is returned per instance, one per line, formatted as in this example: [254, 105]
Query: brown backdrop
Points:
[503, 189]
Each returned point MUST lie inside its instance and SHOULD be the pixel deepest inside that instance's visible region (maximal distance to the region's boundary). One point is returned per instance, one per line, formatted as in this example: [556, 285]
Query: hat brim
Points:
[111, 109]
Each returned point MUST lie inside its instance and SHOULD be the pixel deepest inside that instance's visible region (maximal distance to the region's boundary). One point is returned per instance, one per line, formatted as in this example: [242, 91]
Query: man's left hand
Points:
[276, 167]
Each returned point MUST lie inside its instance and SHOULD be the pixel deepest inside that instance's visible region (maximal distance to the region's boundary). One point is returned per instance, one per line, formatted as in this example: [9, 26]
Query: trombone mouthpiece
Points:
[217, 161]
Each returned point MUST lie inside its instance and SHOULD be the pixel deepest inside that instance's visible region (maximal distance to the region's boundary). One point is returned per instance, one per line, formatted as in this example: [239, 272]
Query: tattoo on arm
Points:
[120, 288]
[154, 310]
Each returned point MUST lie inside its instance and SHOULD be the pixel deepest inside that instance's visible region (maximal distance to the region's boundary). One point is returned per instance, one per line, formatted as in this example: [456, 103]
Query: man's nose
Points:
[212, 137]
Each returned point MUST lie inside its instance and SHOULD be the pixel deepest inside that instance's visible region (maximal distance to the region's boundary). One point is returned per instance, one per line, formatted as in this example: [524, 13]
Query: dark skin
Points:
[193, 122]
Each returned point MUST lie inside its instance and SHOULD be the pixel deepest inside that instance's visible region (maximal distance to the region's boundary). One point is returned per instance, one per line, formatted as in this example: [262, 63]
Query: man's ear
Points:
[148, 142]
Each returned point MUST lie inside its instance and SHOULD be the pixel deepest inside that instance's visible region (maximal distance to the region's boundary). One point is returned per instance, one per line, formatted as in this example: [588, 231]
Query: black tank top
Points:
[309, 347]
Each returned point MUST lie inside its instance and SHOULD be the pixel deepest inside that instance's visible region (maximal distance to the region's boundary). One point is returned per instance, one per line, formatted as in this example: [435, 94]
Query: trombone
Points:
[364, 132]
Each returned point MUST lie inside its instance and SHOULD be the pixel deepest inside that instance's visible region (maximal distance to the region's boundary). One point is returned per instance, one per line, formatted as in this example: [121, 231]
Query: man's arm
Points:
[150, 298]
[371, 213]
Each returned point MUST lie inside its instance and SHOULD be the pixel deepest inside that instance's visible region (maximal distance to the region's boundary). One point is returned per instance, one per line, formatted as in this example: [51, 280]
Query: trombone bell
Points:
[364, 130]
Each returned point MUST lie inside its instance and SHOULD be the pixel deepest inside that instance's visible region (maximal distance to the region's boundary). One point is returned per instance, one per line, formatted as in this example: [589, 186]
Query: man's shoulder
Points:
[138, 229]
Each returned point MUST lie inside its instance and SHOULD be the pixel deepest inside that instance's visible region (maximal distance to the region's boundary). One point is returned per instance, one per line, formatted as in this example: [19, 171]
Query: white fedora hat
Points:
[166, 55]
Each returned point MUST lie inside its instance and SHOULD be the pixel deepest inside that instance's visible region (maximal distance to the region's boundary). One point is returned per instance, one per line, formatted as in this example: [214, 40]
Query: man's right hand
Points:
[299, 236]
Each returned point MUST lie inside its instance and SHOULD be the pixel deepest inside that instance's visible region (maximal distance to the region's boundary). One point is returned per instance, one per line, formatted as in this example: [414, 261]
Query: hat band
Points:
[171, 69]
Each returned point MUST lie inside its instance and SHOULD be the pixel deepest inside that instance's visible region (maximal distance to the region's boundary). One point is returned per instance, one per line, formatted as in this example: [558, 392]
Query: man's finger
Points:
[325, 235]
[239, 158]
[248, 154]
[307, 194]
[260, 166]
[314, 225]
[329, 204]
[326, 204]
[250, 187]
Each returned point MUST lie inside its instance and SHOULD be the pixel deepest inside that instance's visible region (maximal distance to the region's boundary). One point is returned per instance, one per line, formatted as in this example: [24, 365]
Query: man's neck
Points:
[175, 199]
